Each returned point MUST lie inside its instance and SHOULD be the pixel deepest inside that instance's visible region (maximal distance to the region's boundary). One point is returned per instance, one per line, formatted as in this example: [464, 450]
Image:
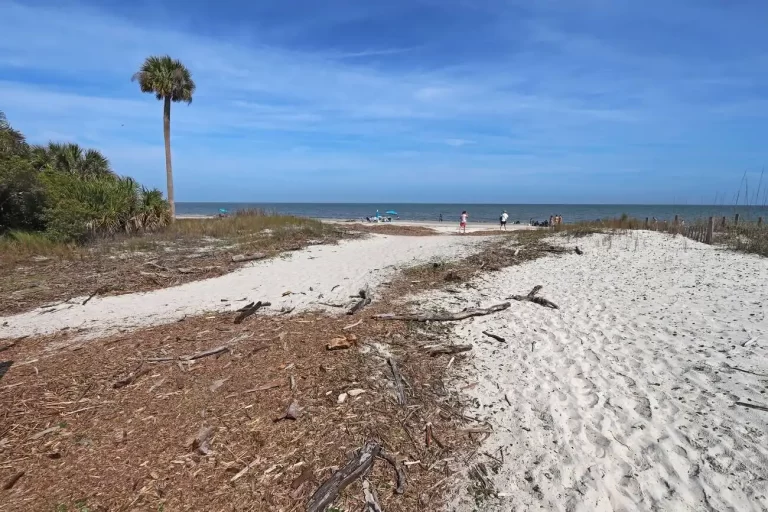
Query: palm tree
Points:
[169, 80]
[11, 141]
[72, 159]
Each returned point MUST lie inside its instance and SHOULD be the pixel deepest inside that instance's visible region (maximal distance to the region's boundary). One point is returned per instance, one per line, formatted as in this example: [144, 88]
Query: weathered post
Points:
[736, 220]
[759, 221]
[646, 223]
[710, 230]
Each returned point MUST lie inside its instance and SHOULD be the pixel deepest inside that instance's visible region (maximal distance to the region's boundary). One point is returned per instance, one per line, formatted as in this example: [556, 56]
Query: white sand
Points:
[446, 228]
[626, 401]
[351, 265]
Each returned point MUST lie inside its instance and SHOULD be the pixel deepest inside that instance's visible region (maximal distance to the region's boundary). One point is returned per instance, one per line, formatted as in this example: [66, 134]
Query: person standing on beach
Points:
[463, 221]
[503, 220]
[551, 221]
[441, 217]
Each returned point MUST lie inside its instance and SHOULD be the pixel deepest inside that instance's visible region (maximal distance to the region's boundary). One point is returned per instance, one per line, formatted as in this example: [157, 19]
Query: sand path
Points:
[626, 399]
[326, 273]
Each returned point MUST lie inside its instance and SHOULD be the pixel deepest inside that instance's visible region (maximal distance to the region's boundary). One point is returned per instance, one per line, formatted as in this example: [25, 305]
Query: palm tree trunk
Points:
[168, 166]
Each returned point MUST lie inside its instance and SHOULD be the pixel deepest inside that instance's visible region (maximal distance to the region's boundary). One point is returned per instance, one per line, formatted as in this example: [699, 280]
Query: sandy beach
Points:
[625, 397]
[645, 390]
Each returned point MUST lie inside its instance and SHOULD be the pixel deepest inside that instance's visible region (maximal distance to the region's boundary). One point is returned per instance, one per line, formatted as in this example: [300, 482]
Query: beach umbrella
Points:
[391, 212]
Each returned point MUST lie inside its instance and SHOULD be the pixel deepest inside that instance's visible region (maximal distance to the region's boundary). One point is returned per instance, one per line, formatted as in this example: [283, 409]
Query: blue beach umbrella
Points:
[391, 212]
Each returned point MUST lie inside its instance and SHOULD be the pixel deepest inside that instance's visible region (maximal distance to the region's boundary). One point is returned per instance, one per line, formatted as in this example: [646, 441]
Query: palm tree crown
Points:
[72, 159]
[166, 77]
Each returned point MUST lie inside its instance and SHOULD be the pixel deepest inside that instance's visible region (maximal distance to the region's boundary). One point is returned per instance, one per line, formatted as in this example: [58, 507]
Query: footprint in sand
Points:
[598, 441]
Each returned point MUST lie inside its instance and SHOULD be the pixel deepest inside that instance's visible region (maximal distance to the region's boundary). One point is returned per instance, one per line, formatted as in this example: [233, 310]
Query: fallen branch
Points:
[99, 290]
[240, 258]
[753, 406]
[249, 309]
[400, 474]
[445, 317]
[532, 297]
[190, 357]
[494, 336]
[245, 469]
[325, 495]
[437, 350]
[365, 299]
[347, 327]
[400, 392]
[371, 501]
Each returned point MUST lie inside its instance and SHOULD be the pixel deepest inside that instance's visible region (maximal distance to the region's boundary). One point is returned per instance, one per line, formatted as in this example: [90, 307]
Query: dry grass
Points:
[748, 237]
[394, 229]
[83, 443]
[35, 271]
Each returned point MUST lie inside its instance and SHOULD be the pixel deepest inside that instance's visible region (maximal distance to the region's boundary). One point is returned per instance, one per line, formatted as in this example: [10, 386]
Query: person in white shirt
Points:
[503, 220]
[463, 221]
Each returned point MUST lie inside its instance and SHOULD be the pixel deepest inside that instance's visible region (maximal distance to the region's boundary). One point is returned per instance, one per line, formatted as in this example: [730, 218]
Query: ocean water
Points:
[483, 212]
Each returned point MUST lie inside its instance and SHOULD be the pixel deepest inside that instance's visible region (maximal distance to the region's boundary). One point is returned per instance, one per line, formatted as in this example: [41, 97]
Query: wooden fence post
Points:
[646, 222]
[723, 221]
[759, 221]
[710, 230]
[736, 220]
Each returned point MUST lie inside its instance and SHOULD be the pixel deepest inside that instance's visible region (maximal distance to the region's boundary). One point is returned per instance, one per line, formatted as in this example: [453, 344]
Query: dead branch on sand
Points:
[532, 297]
[445, 317]
[325, 495]
[250, 309]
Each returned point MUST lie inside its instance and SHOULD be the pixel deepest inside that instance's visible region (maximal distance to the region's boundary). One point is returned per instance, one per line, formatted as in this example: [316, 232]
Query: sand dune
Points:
[624, 399]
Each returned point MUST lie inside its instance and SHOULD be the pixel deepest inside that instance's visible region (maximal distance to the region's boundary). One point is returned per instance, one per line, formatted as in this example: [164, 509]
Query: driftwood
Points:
[190, 357]
[249, 309]
[325, 495]
[131, 377]
[240, 258]
[753, 406]
[365, 299]
[494, 336]
[532, 297]
[371, 500]
[99, 290]
[445, 317]
[400, 489]
[401, 400]
[437, 350]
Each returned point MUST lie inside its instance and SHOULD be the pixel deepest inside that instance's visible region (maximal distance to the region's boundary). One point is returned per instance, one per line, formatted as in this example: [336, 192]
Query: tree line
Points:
[71, 193]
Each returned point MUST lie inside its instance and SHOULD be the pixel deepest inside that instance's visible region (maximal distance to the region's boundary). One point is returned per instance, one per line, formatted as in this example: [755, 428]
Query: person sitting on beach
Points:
[503, 220]
[463, 221]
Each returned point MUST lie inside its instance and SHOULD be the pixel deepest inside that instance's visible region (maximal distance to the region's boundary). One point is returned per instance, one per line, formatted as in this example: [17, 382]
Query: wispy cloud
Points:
[548, 96]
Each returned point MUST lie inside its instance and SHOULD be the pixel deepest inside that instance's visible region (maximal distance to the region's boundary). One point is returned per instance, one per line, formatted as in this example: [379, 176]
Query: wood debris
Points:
[250, 309]
[533, 297]
[399, 391]
[445, 317]
[291, 413]
[240, 258]
[326, 494]
[371, 500]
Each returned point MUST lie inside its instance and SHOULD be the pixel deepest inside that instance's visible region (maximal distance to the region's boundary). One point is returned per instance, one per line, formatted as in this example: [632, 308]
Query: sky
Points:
[495, 101]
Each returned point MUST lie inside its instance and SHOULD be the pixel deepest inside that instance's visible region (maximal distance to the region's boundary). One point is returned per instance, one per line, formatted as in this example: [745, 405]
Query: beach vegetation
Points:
[68, 194]
[171, 82]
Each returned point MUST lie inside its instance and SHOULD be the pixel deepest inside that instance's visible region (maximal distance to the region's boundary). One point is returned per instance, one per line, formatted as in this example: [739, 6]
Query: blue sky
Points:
[512, 101]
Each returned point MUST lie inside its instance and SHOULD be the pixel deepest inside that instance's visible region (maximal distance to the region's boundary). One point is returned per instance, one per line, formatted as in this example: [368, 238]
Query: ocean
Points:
[483, 212]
